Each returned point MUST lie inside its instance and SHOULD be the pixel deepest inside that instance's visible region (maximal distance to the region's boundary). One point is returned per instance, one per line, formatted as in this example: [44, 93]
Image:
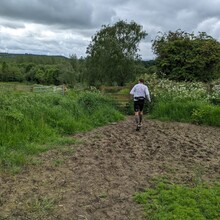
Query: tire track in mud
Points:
[110, 164]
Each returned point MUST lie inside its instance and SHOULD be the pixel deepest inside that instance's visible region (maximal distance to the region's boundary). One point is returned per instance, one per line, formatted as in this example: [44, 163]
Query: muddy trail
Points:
[96, 178]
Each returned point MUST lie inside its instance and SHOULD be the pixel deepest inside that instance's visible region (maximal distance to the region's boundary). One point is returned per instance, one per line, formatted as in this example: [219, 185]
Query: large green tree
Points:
[112, 53]
[184, 56]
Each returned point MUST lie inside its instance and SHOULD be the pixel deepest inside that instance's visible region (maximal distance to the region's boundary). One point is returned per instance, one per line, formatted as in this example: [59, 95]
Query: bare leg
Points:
[140, 117]
[137, 118]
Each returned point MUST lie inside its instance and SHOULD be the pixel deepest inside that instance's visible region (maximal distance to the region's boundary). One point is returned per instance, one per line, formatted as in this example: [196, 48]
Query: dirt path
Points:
[96, 178]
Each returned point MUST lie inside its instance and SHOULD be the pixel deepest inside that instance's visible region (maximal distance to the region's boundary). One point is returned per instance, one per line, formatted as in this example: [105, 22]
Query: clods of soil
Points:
[96, 178]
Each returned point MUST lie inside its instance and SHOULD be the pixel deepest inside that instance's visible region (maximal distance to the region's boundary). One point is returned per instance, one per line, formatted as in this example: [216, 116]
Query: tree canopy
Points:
[184, 56]
[41, 69]
[112, 53]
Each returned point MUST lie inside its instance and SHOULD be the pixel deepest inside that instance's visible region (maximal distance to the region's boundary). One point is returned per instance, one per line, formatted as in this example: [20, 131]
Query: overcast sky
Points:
[65, 27]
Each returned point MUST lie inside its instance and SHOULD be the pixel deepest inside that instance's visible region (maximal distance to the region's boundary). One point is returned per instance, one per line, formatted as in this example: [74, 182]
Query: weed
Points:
[171, 201]
[58, 162]
[39, 206]
[103, 196]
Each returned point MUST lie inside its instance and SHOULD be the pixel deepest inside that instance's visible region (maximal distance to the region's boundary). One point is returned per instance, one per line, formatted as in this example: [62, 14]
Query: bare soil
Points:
[96, 178]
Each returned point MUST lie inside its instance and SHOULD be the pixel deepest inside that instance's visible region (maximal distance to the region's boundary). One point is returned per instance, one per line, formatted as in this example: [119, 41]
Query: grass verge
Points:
[166, 201]
[196, 112]
[33, 123]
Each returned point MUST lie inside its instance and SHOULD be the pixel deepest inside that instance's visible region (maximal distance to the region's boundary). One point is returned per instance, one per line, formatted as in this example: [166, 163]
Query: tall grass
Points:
[30, 121]
[196, 111]
[184, 101]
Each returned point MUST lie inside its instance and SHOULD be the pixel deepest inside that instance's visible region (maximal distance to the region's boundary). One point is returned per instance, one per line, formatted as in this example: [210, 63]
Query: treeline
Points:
[40, 69]
[113, 59]
[47, 70]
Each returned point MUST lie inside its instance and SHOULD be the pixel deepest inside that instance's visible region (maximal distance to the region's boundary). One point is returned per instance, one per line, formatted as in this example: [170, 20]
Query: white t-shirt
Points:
[140, 90]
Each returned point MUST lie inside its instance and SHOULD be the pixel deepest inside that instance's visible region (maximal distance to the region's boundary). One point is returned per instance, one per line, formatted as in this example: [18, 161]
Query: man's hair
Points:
[141, 80]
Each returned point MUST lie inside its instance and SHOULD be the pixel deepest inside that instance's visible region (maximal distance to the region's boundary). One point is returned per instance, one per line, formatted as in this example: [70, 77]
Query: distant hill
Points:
[32, 58]
[13, 55]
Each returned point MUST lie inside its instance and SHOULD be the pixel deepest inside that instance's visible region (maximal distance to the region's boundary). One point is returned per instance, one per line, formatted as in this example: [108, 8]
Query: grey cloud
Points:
[211, 26]
[72, 23]
[65, 13]
[174, 14]
[35, 42]
[9, 24]
[208, 9]
[103, 15]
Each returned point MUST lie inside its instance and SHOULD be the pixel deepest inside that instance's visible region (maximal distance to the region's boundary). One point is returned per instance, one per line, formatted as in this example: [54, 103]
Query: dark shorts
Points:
[139, 105]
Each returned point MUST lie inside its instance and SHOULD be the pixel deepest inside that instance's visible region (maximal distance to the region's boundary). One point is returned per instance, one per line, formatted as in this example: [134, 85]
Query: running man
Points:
[140, 93]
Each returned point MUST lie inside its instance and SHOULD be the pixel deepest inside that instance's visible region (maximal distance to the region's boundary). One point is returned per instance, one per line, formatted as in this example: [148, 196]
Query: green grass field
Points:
[30, 122]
